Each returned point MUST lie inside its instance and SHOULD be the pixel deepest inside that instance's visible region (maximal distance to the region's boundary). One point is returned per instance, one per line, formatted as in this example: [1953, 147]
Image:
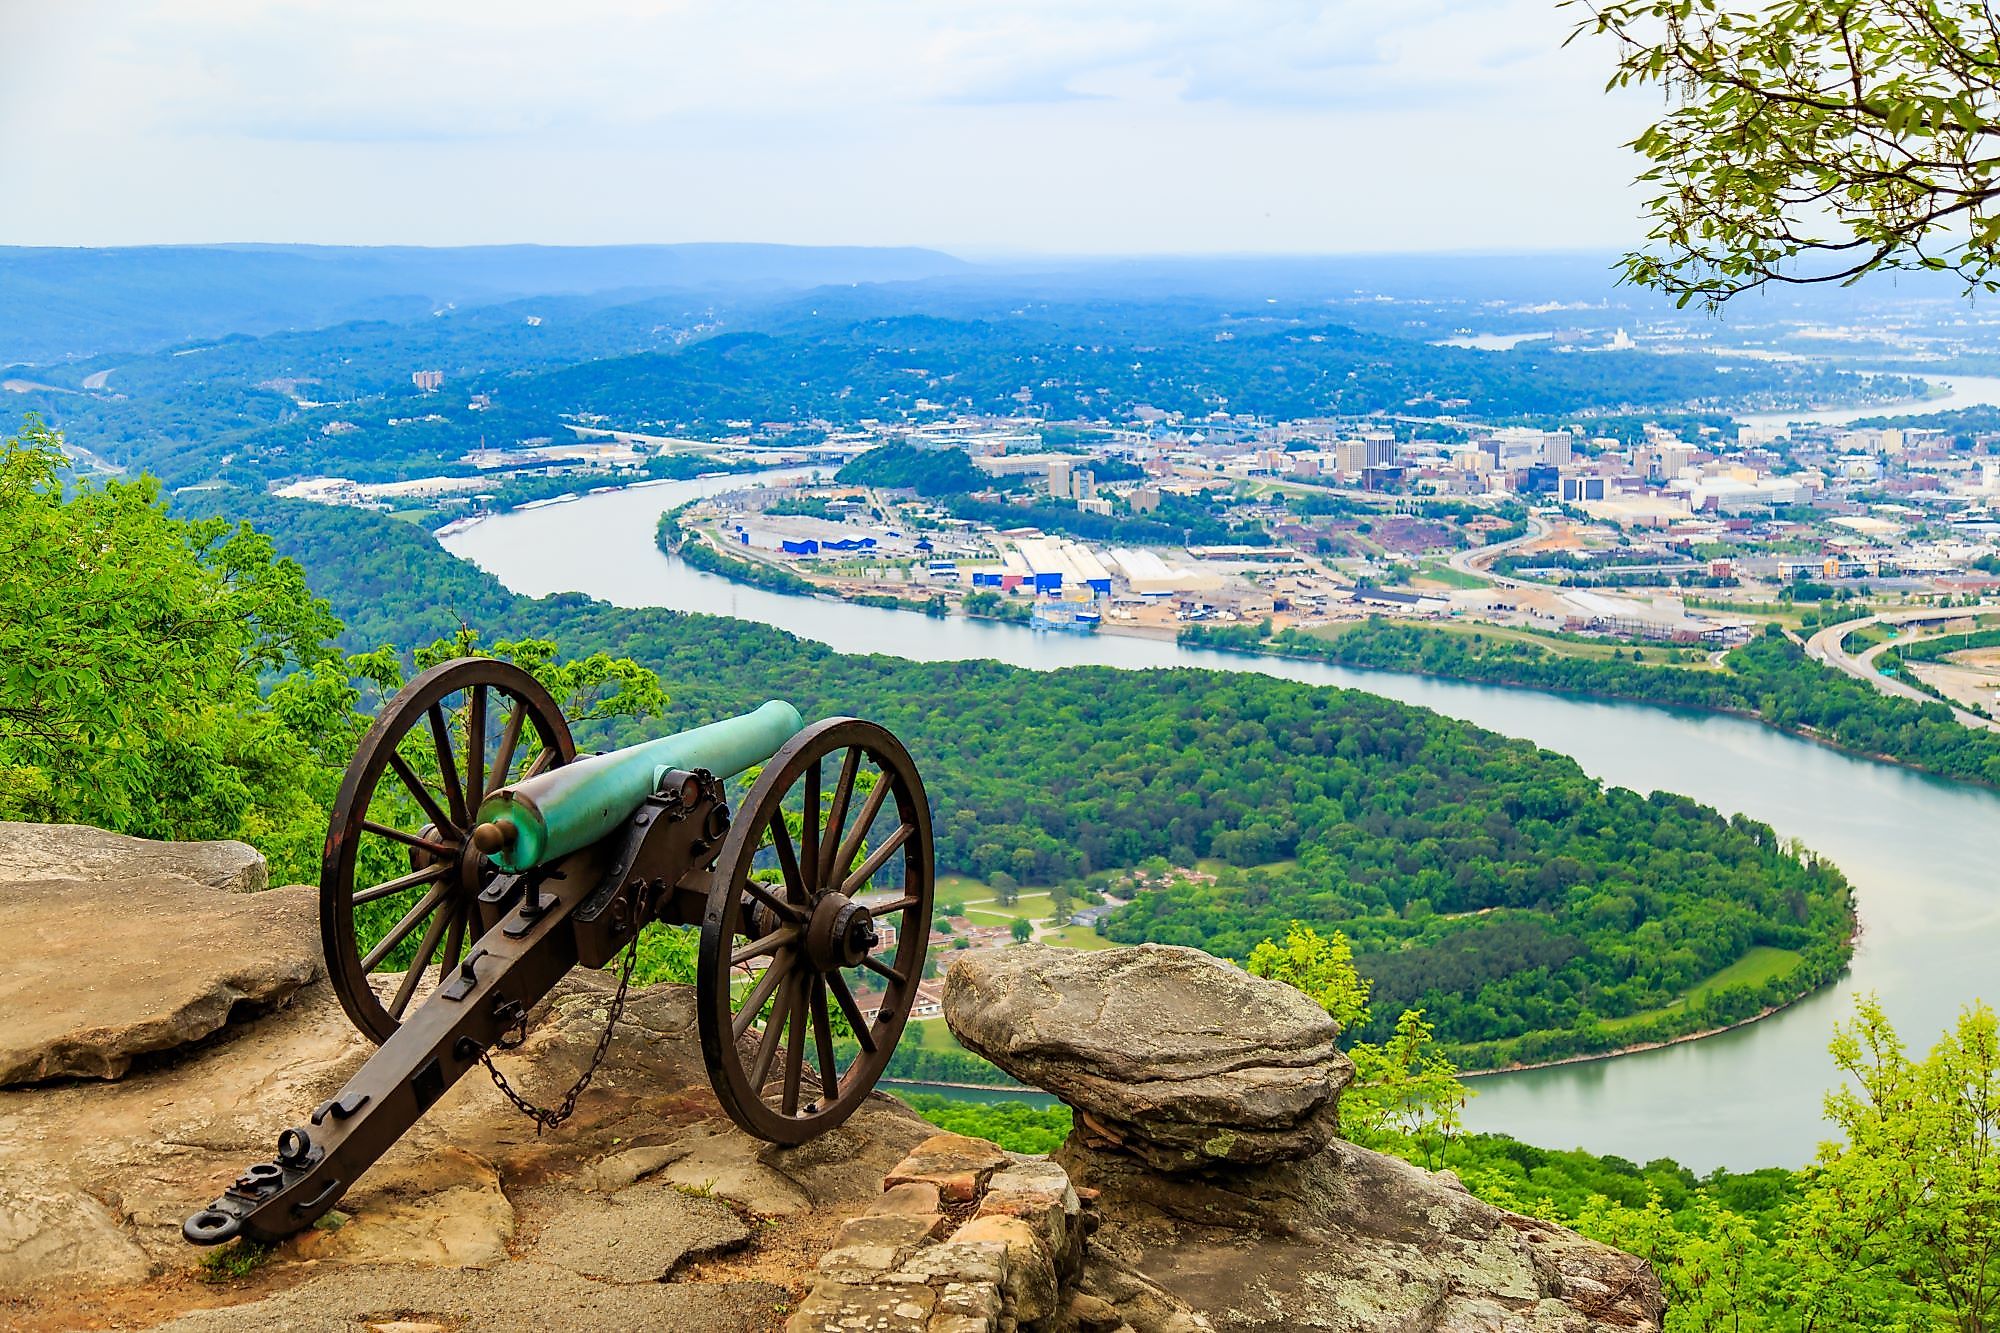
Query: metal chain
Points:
[546, 1119]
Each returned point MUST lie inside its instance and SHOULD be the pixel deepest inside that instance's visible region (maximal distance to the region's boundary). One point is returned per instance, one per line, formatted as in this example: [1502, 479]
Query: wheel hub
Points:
[840, 934]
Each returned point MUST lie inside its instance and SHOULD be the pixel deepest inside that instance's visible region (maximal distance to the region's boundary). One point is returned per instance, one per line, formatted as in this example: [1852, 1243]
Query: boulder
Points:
[1184, 1060]
[77, 851]
[1222, 1199]
[100, 971]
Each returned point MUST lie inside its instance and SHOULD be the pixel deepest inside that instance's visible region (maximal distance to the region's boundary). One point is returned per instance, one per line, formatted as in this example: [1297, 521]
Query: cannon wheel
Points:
[789, 943]
[452, 735]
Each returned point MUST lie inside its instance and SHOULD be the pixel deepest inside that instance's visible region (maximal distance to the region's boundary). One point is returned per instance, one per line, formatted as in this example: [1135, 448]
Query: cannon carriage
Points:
[473, 858]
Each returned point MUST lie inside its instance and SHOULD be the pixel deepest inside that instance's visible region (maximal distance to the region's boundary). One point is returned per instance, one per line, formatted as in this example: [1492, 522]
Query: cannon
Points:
[473, 858]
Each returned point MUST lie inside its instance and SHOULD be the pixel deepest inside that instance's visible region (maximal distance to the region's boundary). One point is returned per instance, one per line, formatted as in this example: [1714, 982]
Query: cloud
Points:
[1168, 125]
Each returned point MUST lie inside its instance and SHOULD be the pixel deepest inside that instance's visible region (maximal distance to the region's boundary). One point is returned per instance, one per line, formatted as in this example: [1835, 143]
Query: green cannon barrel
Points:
[552, 814]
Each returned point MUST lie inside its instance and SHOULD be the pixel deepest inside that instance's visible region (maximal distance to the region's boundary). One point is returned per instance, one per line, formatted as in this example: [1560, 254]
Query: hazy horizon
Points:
[982, 129]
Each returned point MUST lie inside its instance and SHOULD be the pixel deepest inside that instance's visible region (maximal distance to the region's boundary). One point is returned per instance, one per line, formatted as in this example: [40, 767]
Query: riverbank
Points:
[1771, 680]
[1641, 1047]
[698, 551]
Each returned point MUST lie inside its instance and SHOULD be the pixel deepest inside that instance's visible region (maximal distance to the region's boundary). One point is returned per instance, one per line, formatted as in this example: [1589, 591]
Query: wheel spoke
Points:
[788, 861]
[880, 968]
[850, 846]
[401, 930]
[416, 840]
[809, 832]
[762, 945]
[866, 871]
[455, 940]
[436, 813]
[767, 1047]
[829, 1069]
[890, 908]
[836, 819]
[454, 792]
[475, 748]
[753, 1004]
[510, 735]
[795, 1050]
[426, 949]
[542, 761]
[789, 911]
[390, 888]
[838, 985]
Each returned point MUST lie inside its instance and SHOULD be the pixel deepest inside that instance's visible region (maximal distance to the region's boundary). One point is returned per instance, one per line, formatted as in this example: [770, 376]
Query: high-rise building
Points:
[1060, 483]
[427, 380]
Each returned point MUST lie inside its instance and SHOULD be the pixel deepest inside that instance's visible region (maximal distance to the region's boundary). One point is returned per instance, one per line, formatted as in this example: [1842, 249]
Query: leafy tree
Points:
[1021, 929]
[131, 649]
[1061, 901]
[1320, 966]
[1812, 141]
[1906, 1210]
[1405, 1092]
[1006, 889]
[1404, 1087]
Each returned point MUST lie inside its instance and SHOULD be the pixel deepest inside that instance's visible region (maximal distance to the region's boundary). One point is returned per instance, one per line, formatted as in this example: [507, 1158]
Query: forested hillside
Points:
[1481, 876]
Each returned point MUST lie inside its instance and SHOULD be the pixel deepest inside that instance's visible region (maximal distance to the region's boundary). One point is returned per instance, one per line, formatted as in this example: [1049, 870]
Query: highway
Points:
[1825, 646]
[1475, 560]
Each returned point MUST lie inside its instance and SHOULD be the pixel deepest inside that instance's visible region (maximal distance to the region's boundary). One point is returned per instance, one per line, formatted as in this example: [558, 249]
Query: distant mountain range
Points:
[68, 305]
[63, 304]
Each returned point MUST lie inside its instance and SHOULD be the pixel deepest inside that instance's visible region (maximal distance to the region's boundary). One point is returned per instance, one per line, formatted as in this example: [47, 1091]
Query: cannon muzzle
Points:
[552, 814]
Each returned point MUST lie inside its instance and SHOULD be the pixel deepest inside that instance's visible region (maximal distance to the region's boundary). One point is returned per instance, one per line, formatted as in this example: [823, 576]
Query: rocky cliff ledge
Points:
[159, 1022]
[1207, 1103]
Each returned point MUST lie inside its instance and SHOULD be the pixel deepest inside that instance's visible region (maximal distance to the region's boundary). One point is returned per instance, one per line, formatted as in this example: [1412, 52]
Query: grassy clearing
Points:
[931, 1034]
[1208, 865]
[1439, 573]
[1077, 937]
[962, 888]
[1032, 906]
[1754, 968]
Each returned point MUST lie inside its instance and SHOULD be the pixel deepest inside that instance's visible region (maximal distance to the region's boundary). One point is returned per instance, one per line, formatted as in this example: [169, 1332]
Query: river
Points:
[1959, 391]
[1913, 846]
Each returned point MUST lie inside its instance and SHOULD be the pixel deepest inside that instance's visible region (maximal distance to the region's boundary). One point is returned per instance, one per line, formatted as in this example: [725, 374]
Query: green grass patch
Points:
[932, 1034]
[234, 1261]
[1754, 968]
[1077, 937]
[1208, 865]
[1032, 906]
[962, 888]
[1437, 571]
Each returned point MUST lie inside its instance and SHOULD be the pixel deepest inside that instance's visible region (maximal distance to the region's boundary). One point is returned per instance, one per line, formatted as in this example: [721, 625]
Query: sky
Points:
[982, 127]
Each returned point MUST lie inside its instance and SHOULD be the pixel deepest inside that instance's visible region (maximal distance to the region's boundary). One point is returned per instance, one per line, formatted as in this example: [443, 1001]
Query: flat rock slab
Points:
[99, 972]
[1183, 1059]
[644, 1233]
[520, 1297]
[77, 851]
